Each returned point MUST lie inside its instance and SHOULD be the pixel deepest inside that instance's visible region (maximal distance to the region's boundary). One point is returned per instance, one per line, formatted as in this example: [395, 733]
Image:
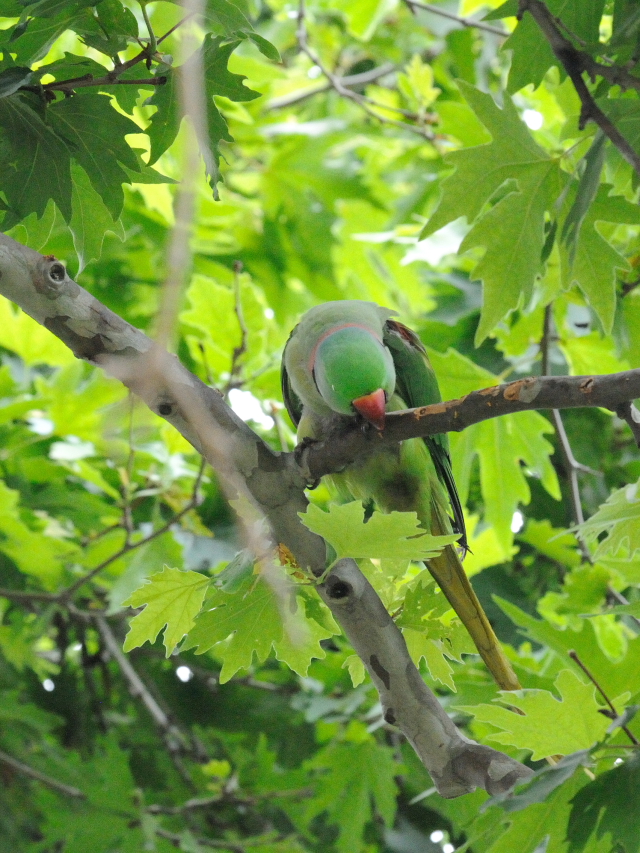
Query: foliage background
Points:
[324, 190]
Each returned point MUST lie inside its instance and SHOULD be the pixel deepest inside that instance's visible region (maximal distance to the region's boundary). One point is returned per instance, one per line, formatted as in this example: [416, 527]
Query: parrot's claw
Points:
[298, 454]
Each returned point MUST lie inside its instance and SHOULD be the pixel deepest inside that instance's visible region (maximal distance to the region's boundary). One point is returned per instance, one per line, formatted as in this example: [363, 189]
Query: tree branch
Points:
[573, 61]
[352, 442]
[463, 22]
[367, 104]
[32, 773]
[348, 81]
[275, 484]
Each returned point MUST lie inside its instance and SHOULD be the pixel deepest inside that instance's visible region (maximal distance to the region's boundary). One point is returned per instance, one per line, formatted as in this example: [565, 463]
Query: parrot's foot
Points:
[298, 455]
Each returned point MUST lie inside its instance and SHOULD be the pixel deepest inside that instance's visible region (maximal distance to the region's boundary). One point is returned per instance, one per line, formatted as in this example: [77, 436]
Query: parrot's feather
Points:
[417, 385]
[342, 351]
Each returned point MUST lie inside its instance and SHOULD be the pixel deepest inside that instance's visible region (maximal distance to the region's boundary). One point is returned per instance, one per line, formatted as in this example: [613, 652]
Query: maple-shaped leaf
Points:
[96, 134]
[171, 598]
[512, 230]
[595, 262]
[547, 725]
[619, 519]
[213, 57]
[393, 535]
[356, 777]
[608, 805]
[253, 620]
[500, 445]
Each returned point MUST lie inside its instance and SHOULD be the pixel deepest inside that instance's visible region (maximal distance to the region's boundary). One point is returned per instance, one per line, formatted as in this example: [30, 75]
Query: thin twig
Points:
[111, 78]
[233, 846]
[572, 61]
[348, 80]
[32, 773]
[463, 22]
[175, 741]
[226, 797]
[363, 102]
[571, 462]
[575, 657]
[178, 839]
[27, 595]
[240, 350]
[127, 516]
[572, 465]
[131, 546]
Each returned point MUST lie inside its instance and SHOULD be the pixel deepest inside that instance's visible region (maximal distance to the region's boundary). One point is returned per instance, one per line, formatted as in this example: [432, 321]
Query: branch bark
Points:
[613, 391]
[275, 483]
[575, 62]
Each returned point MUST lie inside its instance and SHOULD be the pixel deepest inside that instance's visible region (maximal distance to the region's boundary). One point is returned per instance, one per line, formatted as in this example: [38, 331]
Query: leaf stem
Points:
[575, 657]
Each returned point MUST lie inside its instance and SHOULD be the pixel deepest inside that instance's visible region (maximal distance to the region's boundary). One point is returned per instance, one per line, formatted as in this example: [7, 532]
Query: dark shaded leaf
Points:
[34, 162]
[540, 786]
[11, 79]
[96, 131]
[608, 805]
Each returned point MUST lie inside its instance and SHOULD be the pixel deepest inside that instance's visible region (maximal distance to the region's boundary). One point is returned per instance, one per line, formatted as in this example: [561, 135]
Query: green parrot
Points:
[351, 359]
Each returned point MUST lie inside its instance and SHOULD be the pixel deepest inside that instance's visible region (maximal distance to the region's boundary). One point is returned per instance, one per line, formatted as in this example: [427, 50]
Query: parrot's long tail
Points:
[448, 572]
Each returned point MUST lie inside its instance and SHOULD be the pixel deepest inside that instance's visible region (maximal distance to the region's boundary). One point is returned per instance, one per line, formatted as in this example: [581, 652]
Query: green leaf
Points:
[136, 566]
[393, 535]
[596, 261]
[584, 590]
[76, 402]
[577, 723]
[214, 56]
[11, 79]
[500, 445]
[250, 619]
[35, 164]
[619, 520]
[363, 773]
[96, 132]
[31, 40]
[555, 543]
[109, 28]
[512, 231]
[34, 552]
[542, 783]
[51, 8]
[363, 16]
[586, 192]
[90, 219]
[606, 807]
[29, 340]
[542, 827]
[301, 640]
[615, 677]
[531, 55]
[265, 47]
[171, 600]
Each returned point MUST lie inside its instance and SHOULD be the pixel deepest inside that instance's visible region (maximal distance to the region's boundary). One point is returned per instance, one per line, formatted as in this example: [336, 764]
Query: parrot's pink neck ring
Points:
[312, 357]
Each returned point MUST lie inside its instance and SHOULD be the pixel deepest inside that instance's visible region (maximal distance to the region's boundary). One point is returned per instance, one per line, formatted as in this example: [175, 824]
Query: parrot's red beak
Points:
[372, 408]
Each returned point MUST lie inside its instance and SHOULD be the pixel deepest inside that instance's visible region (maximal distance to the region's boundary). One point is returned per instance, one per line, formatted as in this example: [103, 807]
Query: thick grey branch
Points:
[456, 764]
[274, 482]
[609, 391]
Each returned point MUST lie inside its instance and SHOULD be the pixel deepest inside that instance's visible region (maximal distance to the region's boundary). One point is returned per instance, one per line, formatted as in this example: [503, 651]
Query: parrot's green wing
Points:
[416, 383]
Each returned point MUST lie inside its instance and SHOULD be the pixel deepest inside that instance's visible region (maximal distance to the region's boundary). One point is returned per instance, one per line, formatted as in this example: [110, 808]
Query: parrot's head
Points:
[354, 372]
